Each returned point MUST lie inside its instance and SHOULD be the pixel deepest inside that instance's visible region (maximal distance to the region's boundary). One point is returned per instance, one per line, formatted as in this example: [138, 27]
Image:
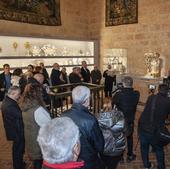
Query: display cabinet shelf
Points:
[41, 57]
[19, 52]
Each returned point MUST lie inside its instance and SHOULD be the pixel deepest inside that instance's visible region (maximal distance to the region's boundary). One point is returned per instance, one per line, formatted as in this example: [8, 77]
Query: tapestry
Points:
[42, 12]
[119, 12]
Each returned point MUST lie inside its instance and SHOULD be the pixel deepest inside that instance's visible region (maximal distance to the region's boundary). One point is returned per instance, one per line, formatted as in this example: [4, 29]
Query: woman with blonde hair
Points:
[34, 116]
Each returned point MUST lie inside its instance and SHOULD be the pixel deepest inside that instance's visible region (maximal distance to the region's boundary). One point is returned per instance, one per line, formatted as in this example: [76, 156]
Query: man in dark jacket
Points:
[55, 75]
[126, 100]
[91, 139]
[5, 81]
[13, 124]
[159, 105]
[96, 75]
[74, 76]
[85, 72]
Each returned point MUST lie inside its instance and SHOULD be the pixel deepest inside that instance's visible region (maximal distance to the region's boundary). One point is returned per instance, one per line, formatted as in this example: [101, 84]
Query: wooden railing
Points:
[61, 98]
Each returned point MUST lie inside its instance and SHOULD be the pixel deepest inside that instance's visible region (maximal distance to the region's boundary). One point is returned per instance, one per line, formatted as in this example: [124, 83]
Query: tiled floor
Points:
[6, 163]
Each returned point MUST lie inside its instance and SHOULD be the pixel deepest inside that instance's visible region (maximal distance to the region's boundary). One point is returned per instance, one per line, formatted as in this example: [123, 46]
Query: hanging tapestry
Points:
[119, 12]
[42, 12]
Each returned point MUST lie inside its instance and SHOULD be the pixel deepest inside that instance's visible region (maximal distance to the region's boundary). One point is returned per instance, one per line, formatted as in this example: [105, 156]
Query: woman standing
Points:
[34, 116]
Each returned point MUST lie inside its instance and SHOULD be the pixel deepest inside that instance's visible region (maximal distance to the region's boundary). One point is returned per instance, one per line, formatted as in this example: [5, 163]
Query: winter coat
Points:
[112, 125]
[31, 128]
[12, 118]
[55, 77]
[91, 139]
[85, 74]
[74, 78]
[126, 100]
[2, 86]
[96, 76]
[161, 110]
[108, 84]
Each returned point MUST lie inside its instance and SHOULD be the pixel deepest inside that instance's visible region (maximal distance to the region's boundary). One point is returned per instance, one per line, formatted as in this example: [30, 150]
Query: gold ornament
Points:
[27, 45]
[15, 45]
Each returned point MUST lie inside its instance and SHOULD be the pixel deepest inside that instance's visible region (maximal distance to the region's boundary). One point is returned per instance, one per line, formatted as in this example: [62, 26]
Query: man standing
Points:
[91, 139]
[85, 72]
[74, 76]
[96, 75]
[126, 101]
[110, 77]
[5, 81]
[155, 112]
[13, 124]
[55, 75]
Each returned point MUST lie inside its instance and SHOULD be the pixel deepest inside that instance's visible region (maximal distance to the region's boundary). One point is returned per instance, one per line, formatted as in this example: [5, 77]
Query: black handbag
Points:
[162, 134]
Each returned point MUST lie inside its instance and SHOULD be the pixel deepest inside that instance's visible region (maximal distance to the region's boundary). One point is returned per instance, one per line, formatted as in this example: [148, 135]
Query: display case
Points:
[22, 51]
[117, 58]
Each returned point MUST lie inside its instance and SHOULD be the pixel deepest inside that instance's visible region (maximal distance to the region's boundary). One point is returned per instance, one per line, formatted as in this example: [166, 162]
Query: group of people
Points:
[77, 139]
[77, 75]
[57, 77]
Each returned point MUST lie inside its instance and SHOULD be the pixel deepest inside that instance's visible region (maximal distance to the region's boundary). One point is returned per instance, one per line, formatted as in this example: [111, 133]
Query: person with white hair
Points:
[60, 146]
[91, 139]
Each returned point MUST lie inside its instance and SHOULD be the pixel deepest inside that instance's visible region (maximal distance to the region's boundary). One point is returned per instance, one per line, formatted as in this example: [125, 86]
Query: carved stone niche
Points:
[117, 58]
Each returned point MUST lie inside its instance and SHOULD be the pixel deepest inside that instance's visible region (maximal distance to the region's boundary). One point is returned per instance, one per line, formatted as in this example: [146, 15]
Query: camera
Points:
[119, 86]
[151, 87]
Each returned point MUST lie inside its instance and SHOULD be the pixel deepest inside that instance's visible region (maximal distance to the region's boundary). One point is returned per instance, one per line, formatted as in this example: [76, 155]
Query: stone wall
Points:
[73, 17]
[151, 33]
[85, 19]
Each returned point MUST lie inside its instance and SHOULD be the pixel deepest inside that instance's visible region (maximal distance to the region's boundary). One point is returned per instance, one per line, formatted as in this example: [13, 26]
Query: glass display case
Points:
[117, 58]
[21, 51]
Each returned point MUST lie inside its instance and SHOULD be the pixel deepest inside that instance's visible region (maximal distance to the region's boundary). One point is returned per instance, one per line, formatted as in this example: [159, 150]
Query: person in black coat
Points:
[85, 72]
[63, 76]
[110, 78]
[160, 105]
[126, 100]
[39, 79]
[96, 75]
[74, 76]
[55, 75]
[44, 71]
[91, 139]
[13, 124]
[5, 81]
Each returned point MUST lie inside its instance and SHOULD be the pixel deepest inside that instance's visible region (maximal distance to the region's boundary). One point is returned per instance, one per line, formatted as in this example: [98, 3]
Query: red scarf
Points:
[67, 165]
